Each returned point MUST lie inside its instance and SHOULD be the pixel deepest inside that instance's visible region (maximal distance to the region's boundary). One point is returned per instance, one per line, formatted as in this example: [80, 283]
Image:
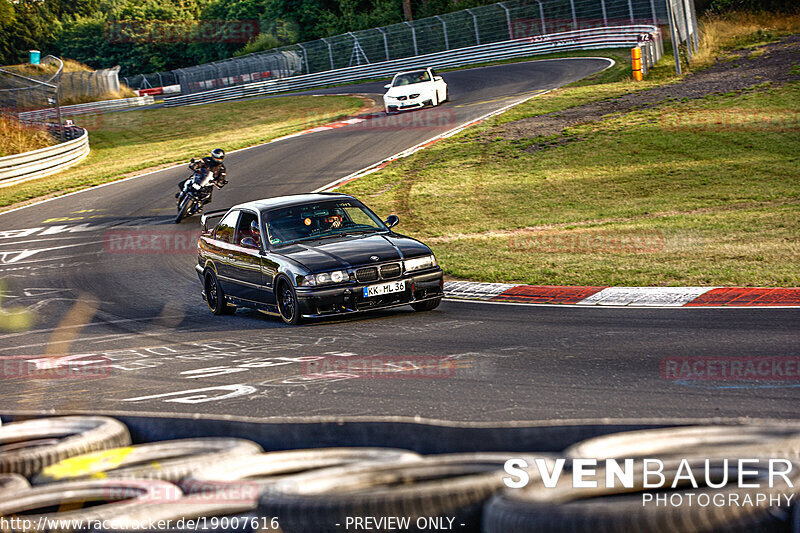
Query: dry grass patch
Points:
[16, 138]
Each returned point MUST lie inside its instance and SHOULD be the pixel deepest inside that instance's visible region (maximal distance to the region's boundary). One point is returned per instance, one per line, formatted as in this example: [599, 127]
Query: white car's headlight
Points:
[414, 96]
[418, 263]
[337, 276]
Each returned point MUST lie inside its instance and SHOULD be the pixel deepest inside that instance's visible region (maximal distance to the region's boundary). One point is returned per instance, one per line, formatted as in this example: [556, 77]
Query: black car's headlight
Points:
[418, 263]
[325, 278]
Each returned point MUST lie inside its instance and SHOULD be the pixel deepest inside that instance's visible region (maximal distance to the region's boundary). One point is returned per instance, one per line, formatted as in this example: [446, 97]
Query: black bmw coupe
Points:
[312, 255]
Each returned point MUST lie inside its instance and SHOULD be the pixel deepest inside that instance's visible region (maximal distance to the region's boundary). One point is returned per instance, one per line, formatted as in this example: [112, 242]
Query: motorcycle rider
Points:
[211, 164]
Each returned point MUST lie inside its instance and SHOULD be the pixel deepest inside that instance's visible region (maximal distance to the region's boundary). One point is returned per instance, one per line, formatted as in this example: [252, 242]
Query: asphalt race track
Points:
[153, 346]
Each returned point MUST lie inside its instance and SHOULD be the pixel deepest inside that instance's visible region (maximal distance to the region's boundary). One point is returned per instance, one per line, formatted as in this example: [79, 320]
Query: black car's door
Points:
[220, 250]
[244, 262]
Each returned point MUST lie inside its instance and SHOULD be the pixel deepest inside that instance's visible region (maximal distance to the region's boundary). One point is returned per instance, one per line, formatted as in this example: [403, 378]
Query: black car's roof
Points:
[268, 204]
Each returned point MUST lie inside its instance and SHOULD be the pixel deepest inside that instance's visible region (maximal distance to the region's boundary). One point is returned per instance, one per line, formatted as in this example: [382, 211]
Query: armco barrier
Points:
[41, 115]
[43, 162]
[594, 38]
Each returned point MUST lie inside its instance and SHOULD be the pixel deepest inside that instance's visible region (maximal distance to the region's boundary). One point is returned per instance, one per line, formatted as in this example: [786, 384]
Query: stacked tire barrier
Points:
[83, 472]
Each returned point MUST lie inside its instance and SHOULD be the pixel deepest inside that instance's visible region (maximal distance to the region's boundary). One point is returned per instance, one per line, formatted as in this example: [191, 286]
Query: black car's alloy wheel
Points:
[287, 304]
[215, 298]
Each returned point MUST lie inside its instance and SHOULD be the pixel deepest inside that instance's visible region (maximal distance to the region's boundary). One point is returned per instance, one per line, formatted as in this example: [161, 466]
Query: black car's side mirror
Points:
[249, 242]
[392, 221]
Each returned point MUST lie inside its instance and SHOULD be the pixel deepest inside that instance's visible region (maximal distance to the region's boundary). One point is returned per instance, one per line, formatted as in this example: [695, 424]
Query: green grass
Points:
[707, 192]
[127, 143]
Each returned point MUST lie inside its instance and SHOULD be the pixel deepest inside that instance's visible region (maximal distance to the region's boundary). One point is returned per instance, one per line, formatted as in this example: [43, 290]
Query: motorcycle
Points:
[196, 189]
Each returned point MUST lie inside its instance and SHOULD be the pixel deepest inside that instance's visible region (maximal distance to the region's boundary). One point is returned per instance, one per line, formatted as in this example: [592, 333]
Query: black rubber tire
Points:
[286, 298]
[11, 484]
[427, 305]
[29, 446]
[318, 500]
[215, 296]
[110, 498]
[535, 508]
[264, 469]
[778, 440]
[183, 209]
[170, 460]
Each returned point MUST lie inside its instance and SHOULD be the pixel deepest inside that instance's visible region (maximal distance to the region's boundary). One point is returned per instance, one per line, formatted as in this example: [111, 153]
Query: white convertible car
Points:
[414, 89]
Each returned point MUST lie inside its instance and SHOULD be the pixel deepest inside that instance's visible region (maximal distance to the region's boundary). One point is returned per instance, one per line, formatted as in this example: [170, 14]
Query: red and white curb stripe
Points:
[625, 296]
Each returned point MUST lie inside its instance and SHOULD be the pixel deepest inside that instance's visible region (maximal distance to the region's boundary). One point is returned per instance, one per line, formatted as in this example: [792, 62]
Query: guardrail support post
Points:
[475, 23]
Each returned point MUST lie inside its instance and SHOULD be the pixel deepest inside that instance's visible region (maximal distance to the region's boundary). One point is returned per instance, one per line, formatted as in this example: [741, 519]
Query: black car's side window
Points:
[243, 228]
[226, 227]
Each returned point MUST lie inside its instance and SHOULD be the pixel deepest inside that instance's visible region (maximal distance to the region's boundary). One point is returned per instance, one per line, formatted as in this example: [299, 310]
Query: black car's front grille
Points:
[365, 275]
[392, 270]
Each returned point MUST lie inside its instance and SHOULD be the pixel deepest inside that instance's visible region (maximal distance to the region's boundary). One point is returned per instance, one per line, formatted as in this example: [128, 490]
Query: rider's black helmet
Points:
[218, 154]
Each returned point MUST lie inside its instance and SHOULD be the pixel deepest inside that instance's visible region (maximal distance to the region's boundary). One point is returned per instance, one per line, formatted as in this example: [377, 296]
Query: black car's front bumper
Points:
[320, 301]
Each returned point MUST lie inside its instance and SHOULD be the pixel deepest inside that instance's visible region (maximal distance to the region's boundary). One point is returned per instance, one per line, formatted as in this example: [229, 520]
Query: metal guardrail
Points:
[45, 161]
[593, 38]
[83, 109]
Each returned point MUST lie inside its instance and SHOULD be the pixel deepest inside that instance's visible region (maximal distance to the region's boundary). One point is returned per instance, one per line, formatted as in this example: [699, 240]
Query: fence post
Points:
[413, 36]
[630, 9]
[305, 58]
[694, 26]
[330, 52]
[574, 17]
[674, 37]
[444, 30]
[541, 16]
[508, 20]
[385, 43]
[653, 11]
[475, 23]
[605, 16]
[688, 32]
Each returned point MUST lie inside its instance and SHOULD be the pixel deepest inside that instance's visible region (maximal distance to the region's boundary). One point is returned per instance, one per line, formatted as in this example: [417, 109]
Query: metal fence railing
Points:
[606, 37]
[493, 23]
[48, 115]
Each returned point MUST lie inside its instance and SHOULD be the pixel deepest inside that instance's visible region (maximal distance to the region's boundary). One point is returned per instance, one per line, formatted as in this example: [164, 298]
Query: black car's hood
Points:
[330, 254]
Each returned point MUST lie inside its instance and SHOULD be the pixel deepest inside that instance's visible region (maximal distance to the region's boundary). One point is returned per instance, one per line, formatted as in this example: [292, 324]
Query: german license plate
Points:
[384, 288]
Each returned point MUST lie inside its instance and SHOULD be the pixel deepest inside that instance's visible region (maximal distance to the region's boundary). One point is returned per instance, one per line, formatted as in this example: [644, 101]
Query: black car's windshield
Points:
[410, 78]
[319, 221]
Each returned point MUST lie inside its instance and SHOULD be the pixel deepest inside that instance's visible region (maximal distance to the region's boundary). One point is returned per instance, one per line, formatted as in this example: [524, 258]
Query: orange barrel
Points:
[636, 57]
